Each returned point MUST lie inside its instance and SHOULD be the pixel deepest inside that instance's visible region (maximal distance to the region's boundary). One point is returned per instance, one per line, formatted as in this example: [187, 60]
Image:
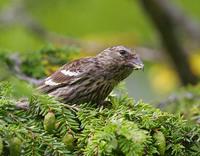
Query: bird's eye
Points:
[122, 52]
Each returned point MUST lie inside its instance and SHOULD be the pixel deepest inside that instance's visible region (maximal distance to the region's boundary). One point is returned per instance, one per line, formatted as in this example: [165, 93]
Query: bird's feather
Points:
[67, 74]
[91, 79]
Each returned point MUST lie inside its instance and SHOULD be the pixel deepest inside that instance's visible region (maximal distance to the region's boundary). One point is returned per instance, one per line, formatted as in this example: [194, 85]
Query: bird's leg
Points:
[105, 104]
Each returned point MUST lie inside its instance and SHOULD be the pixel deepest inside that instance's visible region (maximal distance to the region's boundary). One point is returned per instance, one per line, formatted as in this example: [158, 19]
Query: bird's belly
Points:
[78, 94]
[93, 94]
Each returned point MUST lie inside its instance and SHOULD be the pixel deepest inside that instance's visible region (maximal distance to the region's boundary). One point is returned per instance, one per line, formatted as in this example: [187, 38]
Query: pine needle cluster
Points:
[127, 128]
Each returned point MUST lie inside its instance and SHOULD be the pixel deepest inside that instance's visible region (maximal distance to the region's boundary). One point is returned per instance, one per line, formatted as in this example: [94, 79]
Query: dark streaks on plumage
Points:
[91, 79]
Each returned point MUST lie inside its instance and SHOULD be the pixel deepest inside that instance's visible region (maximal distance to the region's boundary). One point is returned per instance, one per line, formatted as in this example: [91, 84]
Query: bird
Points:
[91, 79]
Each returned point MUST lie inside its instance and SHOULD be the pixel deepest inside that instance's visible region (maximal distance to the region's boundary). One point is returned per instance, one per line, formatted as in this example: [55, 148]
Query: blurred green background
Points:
[92, 25]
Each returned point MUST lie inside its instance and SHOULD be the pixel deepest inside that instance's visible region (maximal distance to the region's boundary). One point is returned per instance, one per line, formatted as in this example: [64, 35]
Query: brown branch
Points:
[170, 40]
[174, 98]
[23, 103]
[16, 64]
[178, 17]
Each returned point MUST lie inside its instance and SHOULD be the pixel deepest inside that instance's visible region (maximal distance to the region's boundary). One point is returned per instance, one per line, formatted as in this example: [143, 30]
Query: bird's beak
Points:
[139, 66]
[136, 63]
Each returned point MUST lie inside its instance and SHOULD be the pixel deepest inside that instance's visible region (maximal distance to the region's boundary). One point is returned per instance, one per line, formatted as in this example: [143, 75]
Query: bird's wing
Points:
[67, 74]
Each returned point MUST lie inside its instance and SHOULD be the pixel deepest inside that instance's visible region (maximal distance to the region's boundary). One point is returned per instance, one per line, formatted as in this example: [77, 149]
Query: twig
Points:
[175, 98]
[17, 71]
[23, 103]
[71, 107]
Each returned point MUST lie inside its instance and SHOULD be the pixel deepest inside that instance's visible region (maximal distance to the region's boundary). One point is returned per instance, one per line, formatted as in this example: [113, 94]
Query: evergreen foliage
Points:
[128, 128]
[186, 102]
[38, 64]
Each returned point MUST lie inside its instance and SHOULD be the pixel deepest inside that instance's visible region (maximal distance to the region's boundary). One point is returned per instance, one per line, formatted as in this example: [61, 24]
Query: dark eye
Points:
[122, 52]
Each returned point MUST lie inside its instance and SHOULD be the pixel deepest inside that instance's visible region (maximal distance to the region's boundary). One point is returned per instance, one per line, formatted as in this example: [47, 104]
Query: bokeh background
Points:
[36, 29]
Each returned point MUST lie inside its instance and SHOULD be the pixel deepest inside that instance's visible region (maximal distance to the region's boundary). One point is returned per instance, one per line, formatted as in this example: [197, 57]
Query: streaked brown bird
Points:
[91, 79]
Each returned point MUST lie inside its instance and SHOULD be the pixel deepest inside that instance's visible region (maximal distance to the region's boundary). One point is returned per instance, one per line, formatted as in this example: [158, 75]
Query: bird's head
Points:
[121, 59]
[122, 56]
